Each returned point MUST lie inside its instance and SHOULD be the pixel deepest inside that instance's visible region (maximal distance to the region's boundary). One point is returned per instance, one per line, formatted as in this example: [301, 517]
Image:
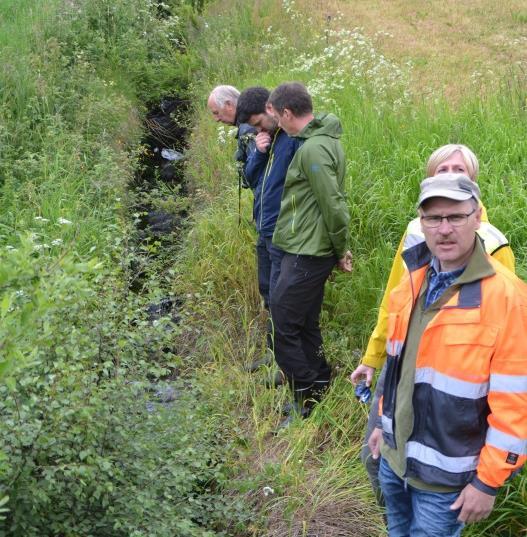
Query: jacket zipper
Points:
[294, 213]
[266, 174]
[399, 363]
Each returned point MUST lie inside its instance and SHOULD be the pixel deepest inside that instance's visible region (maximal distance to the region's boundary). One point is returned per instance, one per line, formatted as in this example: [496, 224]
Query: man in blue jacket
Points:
[265, 172]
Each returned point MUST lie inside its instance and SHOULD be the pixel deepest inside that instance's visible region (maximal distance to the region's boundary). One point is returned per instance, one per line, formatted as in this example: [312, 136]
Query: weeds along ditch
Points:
[310, 481]
[159, 187]
[100, 434]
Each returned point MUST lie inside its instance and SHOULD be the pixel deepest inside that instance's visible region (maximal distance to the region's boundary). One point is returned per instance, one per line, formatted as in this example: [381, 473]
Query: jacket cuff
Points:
[487, 489]
[339, 241]
[378, 422]
[373, 361]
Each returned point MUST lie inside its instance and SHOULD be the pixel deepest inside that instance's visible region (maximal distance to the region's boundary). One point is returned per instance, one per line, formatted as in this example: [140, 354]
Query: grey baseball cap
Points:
[453, 186]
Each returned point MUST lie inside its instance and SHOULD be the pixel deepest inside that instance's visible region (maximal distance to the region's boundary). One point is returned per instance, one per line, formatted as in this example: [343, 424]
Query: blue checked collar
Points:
[439, 282]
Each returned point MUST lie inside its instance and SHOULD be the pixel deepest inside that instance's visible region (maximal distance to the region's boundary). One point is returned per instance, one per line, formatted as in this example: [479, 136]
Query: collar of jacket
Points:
[478, 268]
[322, 124]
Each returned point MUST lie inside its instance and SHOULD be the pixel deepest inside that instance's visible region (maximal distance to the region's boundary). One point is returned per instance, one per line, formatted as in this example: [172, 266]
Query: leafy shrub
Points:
[86, 450]
[86, 446]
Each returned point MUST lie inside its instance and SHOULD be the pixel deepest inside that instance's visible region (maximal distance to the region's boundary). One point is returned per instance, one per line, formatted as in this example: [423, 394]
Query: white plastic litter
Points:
[172, 154]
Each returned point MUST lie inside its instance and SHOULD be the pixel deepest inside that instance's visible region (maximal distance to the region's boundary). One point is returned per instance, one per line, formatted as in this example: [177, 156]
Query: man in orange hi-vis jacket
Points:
[453, 417]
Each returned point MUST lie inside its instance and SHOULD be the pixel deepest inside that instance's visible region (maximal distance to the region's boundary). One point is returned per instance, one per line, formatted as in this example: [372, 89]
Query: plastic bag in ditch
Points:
[172, 155]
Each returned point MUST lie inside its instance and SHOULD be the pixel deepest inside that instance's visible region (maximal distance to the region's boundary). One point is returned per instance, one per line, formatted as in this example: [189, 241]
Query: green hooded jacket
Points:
[314, 216]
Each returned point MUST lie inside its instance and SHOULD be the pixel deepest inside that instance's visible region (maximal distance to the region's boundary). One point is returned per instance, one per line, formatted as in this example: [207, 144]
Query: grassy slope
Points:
[319, 485]
[453, 48]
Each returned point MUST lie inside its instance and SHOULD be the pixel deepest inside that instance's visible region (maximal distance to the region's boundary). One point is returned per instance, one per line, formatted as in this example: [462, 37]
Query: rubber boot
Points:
[318, 390]
[299, 408]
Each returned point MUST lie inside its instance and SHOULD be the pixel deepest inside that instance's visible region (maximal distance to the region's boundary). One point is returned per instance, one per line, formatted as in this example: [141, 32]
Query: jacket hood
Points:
[322, 125]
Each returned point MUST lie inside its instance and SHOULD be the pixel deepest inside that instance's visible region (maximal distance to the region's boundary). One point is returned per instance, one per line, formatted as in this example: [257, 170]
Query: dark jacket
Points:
[314, 214]
[246, 146]
[267, 171]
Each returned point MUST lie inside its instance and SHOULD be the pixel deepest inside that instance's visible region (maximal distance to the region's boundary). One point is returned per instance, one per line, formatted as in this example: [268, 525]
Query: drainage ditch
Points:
[160, 210]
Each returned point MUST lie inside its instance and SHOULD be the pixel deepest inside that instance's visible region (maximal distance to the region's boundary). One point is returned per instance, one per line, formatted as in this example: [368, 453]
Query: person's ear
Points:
[478, 217]
[419, 214]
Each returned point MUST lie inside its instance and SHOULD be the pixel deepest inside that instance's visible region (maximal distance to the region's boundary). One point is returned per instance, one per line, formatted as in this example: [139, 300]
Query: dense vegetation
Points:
[116, 424]
[92, 442]
[390, 128]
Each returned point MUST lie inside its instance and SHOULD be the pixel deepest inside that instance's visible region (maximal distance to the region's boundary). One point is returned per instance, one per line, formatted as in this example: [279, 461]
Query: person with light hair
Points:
[222, 103]
[453, 158]
[450, 158]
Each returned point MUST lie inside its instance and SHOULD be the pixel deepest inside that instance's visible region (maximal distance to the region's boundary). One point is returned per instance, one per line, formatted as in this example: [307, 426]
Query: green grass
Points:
[82, 451]
[390, 131]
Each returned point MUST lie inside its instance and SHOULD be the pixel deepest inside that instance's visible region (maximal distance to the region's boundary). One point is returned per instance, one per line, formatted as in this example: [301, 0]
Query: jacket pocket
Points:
[469, 349]
[470, 334]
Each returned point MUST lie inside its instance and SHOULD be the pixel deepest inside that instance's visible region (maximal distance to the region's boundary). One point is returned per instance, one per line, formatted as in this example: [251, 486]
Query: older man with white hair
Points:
[222, 104]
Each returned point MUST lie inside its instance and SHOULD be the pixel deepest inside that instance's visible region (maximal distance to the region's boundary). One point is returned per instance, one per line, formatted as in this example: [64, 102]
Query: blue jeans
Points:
[269, 261]
[417, 513]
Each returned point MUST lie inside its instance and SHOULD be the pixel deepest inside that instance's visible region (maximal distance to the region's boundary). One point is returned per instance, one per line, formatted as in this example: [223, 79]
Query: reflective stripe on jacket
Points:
[470, 393]
[496, 245]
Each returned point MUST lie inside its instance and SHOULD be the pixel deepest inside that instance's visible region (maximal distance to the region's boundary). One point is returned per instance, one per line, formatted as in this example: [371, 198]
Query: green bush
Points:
[87, 447]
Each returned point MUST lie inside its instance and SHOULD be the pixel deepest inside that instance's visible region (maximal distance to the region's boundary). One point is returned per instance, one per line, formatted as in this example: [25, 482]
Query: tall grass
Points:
[389, 132]
[86, 445]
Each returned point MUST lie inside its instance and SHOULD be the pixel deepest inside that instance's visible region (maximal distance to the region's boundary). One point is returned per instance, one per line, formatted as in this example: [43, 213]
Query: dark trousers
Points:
[295, 307]
[269, 260]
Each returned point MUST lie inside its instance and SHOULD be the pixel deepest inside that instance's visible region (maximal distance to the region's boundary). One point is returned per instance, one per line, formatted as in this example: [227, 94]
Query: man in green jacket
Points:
[312, 228]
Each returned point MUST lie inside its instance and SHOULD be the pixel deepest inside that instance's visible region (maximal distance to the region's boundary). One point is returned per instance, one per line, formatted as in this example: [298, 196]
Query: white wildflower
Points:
[41, 219]
[221, 135]
[56, 242]
[64, 222]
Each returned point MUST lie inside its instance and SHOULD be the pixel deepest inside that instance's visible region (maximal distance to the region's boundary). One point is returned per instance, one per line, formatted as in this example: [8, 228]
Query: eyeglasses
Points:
[456, 220]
